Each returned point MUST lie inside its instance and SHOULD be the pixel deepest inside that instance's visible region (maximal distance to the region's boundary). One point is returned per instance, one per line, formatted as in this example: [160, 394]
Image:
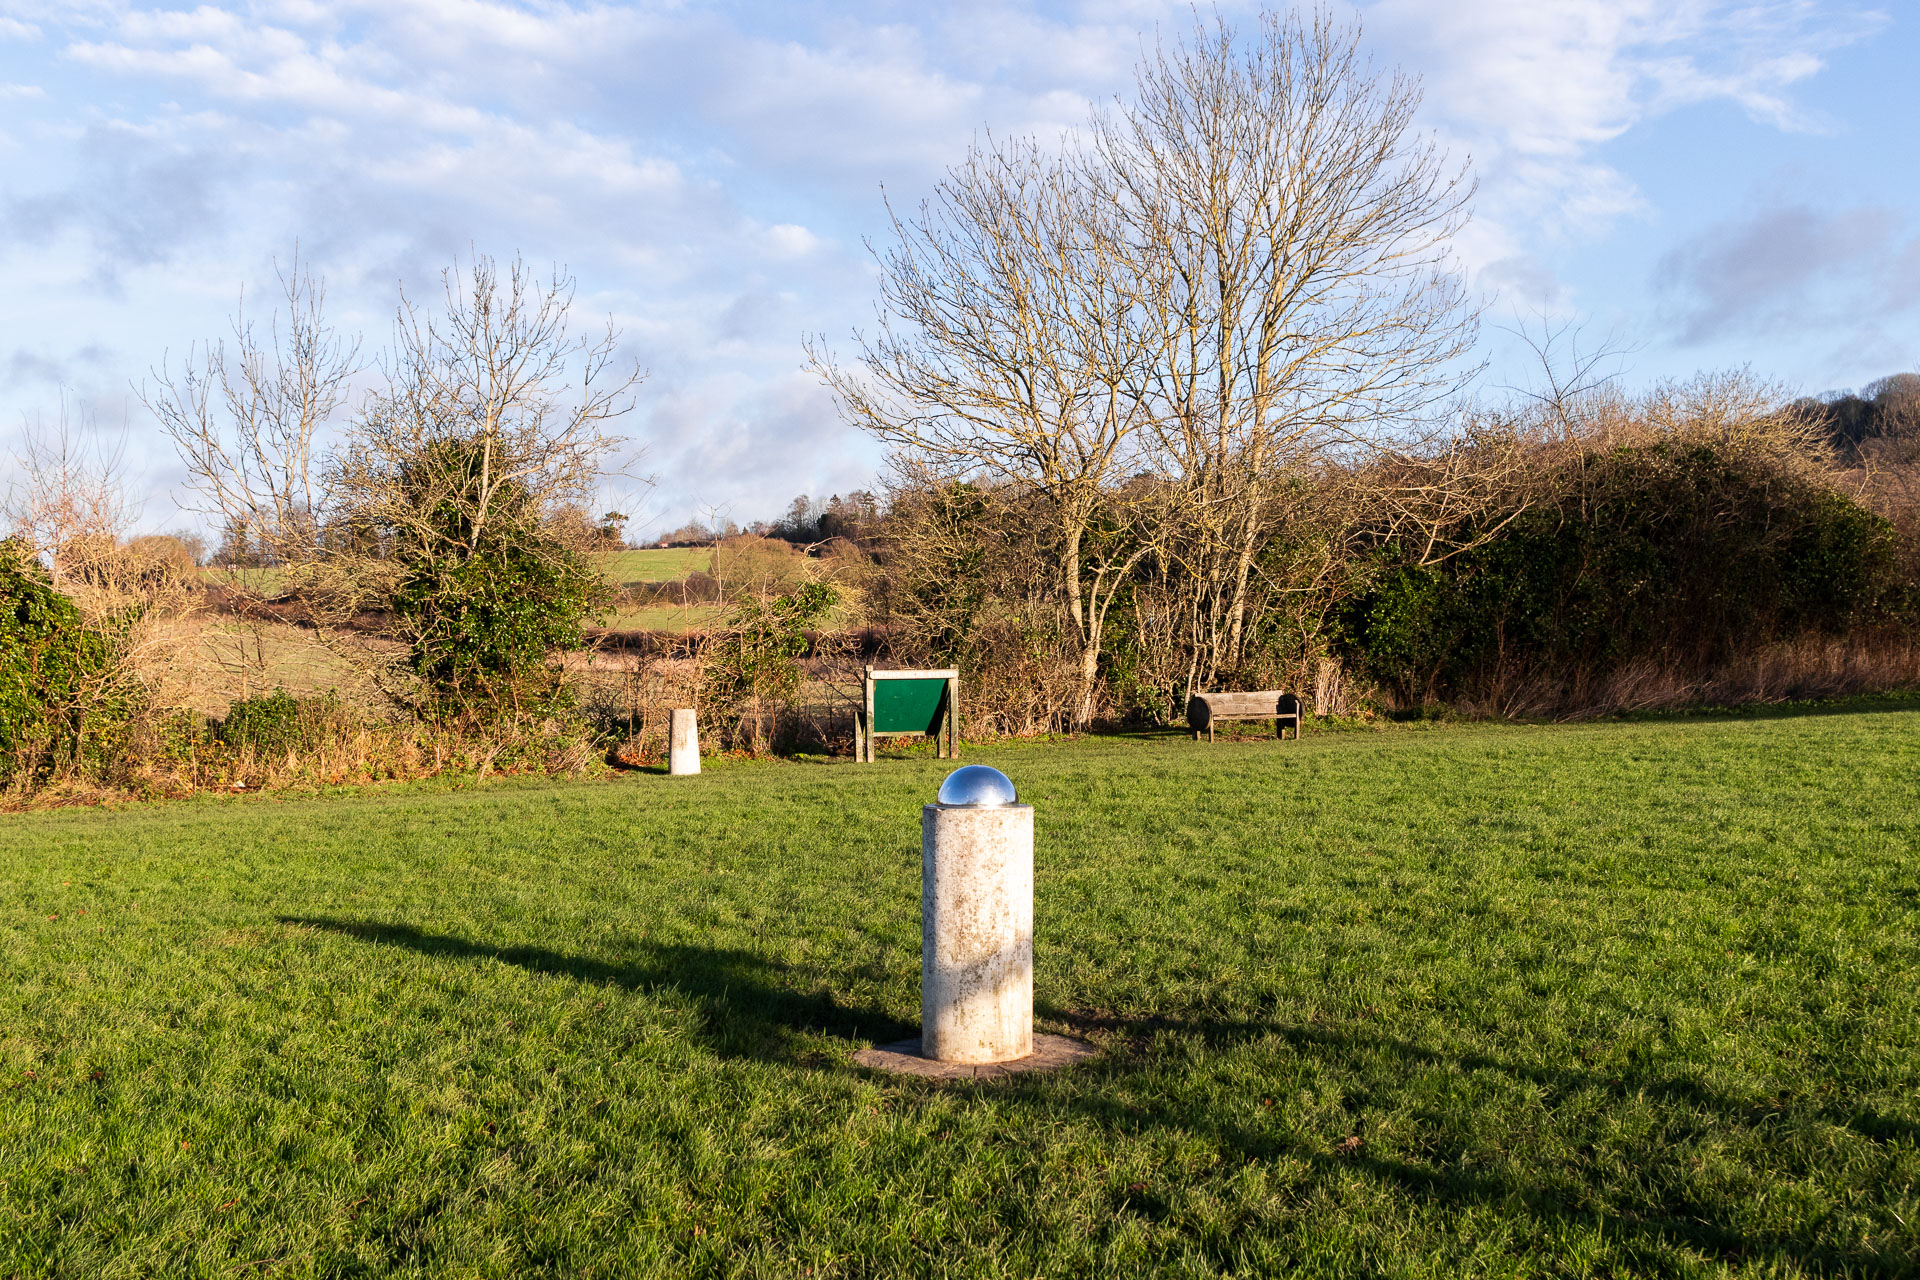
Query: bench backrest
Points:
[1240, 704]
[1206, 707]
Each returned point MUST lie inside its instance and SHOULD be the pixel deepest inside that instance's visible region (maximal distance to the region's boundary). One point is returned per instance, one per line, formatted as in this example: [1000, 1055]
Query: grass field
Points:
[649, 564]
[656, 564]
[1613, 1000]
[664, 617]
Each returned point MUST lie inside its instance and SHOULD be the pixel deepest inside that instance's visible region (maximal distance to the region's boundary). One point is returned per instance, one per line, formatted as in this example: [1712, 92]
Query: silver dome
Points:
[977, 786]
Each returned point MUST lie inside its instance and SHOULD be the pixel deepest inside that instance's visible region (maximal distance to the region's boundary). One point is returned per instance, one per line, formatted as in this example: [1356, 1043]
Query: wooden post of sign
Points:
[953, 717]
[868, 758]
[941, 720]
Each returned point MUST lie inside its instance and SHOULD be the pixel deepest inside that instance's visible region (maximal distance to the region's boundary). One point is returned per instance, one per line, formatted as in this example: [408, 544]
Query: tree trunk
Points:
[1086, 631]
[1242, 571]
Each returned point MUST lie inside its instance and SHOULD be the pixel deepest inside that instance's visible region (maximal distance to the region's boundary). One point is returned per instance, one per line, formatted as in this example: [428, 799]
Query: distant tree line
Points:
[1878, 423]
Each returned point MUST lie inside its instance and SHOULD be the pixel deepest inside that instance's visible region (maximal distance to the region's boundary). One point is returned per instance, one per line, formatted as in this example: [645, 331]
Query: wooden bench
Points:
[1203, 709]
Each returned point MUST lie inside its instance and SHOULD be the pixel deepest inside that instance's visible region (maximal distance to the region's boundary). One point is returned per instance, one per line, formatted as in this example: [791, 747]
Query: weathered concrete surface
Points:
[683, 748]
[976, 933]
[1050, 1053]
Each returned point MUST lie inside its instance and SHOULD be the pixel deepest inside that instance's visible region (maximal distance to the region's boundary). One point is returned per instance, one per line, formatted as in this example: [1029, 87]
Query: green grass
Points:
[1612, 1000]
[656, 564]
[649, 564]
[265, 582]
[665, 617]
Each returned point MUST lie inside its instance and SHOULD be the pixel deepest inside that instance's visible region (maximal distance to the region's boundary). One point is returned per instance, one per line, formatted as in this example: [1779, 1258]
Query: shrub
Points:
[753, 666]
[1681, 554]
[281, 724]
[65, 701]
[482, 627]
[483, 605]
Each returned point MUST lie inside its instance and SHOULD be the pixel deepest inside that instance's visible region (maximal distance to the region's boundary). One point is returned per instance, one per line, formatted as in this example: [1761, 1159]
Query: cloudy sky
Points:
[1712, 184]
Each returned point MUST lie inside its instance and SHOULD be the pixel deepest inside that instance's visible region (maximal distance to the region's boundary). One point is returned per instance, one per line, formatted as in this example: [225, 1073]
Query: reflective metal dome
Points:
[977, 786]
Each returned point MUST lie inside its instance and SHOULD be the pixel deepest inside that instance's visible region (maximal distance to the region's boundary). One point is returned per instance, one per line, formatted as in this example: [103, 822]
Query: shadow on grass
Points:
[1850, 705]
[1666, 1219]
[1318, 1042]
[1675, 1210]
[750, 1004]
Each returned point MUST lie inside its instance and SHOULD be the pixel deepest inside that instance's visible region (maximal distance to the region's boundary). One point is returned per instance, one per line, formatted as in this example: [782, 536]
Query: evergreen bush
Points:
[63, 702]
[1682, 554]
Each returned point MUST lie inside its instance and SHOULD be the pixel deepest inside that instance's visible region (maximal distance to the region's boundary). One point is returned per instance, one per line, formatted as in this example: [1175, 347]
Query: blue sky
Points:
[1712, 184]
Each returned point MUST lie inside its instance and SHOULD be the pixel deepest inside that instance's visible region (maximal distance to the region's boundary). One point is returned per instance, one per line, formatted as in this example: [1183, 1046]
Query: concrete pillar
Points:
[976, 929]
[683, 751]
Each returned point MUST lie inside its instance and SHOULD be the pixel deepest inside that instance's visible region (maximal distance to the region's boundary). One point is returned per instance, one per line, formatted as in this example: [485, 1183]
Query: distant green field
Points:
[664, 617]
[264, 582]
[1615, 1000]
[656, 564]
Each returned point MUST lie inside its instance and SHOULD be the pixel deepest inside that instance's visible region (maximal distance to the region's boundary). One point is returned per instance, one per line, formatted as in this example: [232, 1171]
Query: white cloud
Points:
[790, 240]
[709, 172]
[1535, 91]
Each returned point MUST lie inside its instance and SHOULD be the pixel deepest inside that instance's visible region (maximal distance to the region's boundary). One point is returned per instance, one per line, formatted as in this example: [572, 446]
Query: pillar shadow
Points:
[753, 1007]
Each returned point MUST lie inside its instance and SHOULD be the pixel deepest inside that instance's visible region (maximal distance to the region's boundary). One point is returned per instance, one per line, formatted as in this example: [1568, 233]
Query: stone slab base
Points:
[1050, 1053]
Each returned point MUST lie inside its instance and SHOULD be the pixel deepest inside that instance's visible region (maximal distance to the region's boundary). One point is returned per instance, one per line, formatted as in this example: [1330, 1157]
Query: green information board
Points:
[902, 703]
[908, 706]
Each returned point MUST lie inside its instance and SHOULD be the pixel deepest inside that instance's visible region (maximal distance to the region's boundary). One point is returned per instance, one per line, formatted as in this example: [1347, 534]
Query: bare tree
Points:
[67, 500]
[1243, 277]
[247, 419]
[493, 423]
[1007, 351]
[488, 421]
[492, 409]
[1296, 232]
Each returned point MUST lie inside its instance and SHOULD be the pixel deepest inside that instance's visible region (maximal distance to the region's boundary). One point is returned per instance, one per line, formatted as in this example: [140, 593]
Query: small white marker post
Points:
[683, 749]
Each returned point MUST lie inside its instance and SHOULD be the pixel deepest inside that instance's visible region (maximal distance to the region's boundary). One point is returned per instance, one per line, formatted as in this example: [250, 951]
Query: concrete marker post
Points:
[683, 747]
[976, 932]
[976, 940]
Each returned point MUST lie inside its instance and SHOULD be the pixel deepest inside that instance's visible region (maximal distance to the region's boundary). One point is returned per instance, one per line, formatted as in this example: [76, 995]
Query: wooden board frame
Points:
[946, 727]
